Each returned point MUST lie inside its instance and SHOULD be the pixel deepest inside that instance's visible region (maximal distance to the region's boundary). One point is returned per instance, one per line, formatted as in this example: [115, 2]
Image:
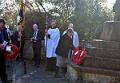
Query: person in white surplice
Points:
[51, 42]
[75, 35]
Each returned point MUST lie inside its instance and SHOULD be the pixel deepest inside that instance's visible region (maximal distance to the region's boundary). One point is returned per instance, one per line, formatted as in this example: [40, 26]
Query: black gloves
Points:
[49, 36]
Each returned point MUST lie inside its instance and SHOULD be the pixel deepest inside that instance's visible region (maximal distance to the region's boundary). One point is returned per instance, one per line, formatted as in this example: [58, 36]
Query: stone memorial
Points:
[102, 65]
[111, 29]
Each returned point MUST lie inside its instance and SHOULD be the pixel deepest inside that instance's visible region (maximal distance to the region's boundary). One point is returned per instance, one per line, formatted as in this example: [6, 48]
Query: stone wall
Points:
[77, 76]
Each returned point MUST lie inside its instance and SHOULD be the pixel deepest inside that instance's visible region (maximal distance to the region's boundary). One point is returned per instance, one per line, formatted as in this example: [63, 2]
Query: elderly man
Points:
[51, 42]
[62, 51]
[36, 40]
[75, 35]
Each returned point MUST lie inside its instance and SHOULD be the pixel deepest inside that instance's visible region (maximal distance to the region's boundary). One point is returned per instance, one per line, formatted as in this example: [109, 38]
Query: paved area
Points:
[34, 75]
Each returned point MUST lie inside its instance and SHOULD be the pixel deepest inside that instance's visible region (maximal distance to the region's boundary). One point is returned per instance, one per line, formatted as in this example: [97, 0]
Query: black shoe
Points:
[57, 75]
[8, 66]
[33, 64]
[64, 71]
[37, 66]
[7, 81]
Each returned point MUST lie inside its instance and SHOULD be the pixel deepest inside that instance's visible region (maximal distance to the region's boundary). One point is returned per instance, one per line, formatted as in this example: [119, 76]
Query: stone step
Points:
[98, 62]
[105, 44]
[97, 71]
[105, 53]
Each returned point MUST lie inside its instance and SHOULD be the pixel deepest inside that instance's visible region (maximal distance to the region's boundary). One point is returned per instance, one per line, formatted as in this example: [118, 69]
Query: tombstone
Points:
[111, 31]
[117, 10]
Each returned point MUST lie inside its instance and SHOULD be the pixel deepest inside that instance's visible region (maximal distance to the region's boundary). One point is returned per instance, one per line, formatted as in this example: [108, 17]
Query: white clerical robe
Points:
[75, 38]
[52, 43]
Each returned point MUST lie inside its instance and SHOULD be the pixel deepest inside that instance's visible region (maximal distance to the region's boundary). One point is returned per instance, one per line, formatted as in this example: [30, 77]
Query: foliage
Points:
[34, 18]
[88, 16]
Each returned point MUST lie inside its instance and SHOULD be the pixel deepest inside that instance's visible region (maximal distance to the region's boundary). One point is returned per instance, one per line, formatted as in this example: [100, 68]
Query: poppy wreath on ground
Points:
[78, 55]
[13, 54]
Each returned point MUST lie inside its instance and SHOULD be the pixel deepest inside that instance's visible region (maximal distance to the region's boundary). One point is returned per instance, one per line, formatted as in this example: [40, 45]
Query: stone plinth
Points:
[111, 31]
[102, 65]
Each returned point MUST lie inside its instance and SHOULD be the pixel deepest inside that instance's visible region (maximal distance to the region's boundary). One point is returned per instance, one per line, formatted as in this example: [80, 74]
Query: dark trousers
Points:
[37, 52]
[51, 64]
[21, 51]
[20, 57]
[3, 74]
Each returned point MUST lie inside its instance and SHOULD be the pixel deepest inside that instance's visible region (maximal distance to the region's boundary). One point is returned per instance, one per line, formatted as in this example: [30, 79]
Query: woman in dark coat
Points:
[64, 47]
[15, 38]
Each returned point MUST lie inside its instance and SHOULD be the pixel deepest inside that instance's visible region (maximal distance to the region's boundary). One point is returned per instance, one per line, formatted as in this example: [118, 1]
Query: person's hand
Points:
[31, 39]
[19, 39]
[11, 53]
[20, 34]
[1, 46]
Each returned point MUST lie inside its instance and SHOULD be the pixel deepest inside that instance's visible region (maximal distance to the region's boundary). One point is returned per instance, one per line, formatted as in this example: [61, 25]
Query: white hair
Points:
[35, 25]
[70, 26]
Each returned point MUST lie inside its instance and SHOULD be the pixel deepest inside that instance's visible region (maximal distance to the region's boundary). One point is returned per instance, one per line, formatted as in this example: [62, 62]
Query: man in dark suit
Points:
[3, 38]
[37, 43]
[17, 38]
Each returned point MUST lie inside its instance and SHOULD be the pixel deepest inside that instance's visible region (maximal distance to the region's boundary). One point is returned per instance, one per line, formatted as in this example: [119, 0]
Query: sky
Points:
[110, 3]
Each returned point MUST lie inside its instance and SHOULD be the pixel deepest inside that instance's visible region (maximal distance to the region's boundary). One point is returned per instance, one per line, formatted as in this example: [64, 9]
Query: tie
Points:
[35, 34]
